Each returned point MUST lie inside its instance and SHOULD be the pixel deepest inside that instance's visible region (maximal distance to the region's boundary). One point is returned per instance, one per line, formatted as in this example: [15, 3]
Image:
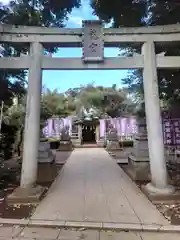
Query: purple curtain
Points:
[48, 129]
[119, 126]
[124, 126]
[102, 127]
[68, 123]
[54, 126]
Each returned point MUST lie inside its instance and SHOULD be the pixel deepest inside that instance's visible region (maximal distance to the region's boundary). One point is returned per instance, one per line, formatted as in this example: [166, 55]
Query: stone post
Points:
[97, 133]
[75, 136]
[113, 142]
[99, 140]
[32, 121]
[138, 160]
[154, 124]
[80, 133]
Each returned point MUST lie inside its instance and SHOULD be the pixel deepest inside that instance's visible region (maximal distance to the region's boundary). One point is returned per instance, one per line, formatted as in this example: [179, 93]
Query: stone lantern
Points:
[138, 160]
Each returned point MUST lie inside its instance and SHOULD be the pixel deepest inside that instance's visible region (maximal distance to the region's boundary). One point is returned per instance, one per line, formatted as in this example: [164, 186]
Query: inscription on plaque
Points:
[93, 44]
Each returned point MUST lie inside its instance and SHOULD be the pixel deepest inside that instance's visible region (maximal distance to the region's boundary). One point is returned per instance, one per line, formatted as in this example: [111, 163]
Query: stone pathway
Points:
[93, 188]
[29, 233]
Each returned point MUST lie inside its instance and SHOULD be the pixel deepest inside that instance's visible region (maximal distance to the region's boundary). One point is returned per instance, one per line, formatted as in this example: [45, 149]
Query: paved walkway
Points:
[92, 187]
[27, 233]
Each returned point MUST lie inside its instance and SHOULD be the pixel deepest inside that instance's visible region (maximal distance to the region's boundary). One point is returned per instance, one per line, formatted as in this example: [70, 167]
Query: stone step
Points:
[89, 146]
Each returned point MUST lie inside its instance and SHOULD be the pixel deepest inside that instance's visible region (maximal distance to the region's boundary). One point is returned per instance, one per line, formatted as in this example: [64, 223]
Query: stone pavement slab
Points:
[62, 156]
[159, 236]
[9, 231]
[29, 233]
[137, 236]
[120, 235]
[93, 188]
[39, 233]
[75, 235]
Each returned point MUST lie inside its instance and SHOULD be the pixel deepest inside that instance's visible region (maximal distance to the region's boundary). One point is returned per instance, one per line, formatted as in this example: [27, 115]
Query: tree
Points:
[145, 13]
[121, 13]
[14, 119]
[30, 13]
[38, 12]
[58, 104]
[111, 100]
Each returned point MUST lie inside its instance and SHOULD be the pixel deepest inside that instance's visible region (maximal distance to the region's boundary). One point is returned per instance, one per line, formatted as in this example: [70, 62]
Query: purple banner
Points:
[171, 130]
[126, 127]
[102, 127]
[55, 126]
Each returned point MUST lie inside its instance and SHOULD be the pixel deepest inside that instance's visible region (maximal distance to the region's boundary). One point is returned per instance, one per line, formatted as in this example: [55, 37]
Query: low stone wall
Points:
[139, 170]
[65, 146]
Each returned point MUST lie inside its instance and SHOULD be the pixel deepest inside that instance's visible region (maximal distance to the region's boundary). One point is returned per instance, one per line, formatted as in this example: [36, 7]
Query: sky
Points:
[65, 79]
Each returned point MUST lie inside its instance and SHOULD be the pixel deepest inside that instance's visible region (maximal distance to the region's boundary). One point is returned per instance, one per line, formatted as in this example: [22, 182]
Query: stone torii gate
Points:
[92, 37]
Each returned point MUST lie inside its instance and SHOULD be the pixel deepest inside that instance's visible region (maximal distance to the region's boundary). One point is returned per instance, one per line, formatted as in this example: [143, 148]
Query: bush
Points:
[128, 143]
[7, 140]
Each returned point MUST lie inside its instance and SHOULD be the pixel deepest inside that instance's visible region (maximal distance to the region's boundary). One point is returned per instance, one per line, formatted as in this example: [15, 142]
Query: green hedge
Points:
[127, 143]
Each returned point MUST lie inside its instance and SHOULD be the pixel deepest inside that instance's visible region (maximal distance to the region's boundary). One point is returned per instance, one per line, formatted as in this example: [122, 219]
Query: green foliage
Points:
[30, 13]
[130, 13]
[13, 126]
[13, 120]
[38, 12]
[57, 103]
[7, 140]
[95, 100]
[118, 10]
[112, 101]
[164, 12]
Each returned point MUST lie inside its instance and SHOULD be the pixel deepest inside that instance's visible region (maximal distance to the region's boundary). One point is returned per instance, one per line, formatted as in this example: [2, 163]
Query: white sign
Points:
[93, 44]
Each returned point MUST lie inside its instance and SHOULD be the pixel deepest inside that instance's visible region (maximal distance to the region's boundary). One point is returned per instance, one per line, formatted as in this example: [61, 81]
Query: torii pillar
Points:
[159, 184]
[28, 191]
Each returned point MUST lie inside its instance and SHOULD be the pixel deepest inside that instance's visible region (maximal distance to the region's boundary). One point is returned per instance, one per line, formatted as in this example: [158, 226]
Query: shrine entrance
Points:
[92, 37]
[88, 134]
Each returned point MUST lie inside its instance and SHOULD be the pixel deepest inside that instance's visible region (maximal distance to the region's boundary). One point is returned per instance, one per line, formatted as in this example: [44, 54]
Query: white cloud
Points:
[108, 25]
[5, 1]
[77, 20]
[86, 8]
[78, 15]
